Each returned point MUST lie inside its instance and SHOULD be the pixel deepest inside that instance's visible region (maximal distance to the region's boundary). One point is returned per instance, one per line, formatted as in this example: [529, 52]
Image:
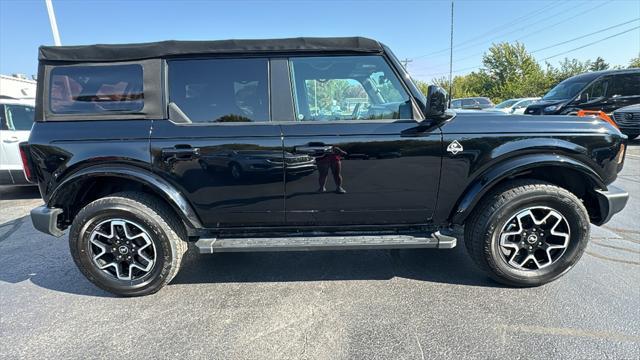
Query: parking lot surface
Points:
[413, 304]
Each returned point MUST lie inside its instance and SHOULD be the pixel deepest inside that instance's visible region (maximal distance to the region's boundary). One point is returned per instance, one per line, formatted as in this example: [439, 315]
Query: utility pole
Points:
[406, 62]
[54, 24]
[451, 58]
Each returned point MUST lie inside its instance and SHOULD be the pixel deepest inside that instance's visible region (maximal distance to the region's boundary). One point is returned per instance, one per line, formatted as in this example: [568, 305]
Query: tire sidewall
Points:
[578, 239]
[79, 245]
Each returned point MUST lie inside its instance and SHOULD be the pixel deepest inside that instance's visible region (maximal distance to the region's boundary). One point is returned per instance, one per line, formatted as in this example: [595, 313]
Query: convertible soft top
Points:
[124, 52]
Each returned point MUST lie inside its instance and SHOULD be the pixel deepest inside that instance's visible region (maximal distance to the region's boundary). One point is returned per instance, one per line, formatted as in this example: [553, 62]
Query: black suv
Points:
[606, 91]
[134, 149]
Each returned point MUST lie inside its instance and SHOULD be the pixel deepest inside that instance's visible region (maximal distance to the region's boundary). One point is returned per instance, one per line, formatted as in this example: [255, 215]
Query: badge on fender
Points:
[455, 147]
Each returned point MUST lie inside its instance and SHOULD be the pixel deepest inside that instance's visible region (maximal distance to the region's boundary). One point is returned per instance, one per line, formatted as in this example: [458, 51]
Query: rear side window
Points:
[469, 102]
[484, 101]
[625, 85]
[19, 117]
[96, 89]
[220, 90]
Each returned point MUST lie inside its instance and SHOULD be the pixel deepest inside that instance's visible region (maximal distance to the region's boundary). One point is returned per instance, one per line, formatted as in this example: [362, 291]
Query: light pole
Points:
[54, 24]
[451, 58]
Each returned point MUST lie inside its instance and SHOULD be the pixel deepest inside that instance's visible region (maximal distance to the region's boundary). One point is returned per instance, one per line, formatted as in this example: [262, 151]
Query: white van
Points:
[16, 118]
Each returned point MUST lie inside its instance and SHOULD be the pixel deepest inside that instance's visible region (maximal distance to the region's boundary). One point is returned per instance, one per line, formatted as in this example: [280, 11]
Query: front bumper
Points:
[611, 202]
[45, 219]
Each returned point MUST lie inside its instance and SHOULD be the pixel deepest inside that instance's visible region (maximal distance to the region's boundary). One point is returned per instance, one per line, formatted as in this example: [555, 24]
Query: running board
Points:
[308, 243]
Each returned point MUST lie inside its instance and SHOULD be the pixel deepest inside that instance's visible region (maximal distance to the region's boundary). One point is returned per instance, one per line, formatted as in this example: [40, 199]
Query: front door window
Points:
[347, 88]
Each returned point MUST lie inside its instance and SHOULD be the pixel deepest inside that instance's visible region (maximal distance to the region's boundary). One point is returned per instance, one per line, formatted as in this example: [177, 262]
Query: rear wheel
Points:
[128, 244]
[527, 233]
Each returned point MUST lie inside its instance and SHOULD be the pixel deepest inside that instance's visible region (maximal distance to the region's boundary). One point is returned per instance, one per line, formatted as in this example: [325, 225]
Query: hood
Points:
[486, 122]
[630, 108]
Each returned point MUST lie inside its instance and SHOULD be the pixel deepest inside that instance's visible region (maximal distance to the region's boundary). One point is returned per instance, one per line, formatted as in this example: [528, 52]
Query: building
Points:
[17, 86]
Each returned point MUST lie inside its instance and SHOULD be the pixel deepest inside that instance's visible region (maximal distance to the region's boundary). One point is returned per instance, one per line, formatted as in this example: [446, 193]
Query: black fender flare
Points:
[510, 167]
[162, 187]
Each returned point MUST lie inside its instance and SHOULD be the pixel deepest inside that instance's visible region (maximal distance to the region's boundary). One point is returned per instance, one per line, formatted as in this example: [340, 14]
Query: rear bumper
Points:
[45, 219]
[611, 202]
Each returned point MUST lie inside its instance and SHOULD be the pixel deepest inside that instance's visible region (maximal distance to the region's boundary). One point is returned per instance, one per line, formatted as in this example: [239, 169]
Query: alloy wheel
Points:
[534, 238]
[122, 249]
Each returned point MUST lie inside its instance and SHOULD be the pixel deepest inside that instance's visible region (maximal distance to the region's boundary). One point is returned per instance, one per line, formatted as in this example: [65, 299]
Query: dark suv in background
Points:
[134, 149]
[600, 90]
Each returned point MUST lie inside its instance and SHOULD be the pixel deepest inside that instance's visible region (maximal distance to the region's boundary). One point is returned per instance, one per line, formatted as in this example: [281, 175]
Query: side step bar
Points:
[307, 243]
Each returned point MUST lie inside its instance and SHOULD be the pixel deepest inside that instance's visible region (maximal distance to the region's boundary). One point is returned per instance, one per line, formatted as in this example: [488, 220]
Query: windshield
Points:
[506, 104]
[567, 89]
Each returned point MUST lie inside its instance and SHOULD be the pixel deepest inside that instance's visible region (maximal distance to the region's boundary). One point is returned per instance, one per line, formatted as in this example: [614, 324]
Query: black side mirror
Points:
[584, 97]
[437, 103]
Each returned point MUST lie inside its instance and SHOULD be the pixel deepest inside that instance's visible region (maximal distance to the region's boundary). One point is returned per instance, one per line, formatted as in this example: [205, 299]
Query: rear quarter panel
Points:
[60, 148]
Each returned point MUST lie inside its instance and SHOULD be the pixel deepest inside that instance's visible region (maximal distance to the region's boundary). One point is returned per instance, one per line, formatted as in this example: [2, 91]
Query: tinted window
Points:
[347, 88]
[597, 89]
[523, 104]
[220, 90]
[625, 85]
[19, 117]
[484, 101]
[569, 87]
[96, 89]
[456, 104]
[468, 102]
[506, 104]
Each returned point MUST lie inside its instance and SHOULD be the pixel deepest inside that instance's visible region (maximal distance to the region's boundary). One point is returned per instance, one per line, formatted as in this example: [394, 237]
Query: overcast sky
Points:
[417, 30]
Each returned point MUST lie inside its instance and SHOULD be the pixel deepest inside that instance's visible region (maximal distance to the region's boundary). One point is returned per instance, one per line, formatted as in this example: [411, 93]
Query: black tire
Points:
[483, 229]
[153, 216]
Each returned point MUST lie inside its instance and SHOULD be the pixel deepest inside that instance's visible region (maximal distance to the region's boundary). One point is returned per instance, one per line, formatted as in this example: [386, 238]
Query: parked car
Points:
[606, 91]
[120, 131]
[16, 119]
[514, 106]
[628, 120]
[472, 103]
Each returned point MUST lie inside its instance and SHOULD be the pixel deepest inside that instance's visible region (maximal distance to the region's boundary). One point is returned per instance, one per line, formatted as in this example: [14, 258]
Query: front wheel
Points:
[527, 233]
[129, 244]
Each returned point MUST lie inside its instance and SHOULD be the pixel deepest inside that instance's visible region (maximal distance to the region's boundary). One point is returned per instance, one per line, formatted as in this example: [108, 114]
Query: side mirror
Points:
[437, 103]
[584, 97]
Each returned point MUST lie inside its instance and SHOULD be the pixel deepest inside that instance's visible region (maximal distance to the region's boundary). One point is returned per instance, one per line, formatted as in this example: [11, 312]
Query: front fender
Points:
[510, 167]
[144, 176]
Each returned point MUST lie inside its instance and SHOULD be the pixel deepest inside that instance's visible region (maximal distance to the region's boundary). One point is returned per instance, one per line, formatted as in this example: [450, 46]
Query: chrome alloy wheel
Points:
[534, 238]
[122, 249]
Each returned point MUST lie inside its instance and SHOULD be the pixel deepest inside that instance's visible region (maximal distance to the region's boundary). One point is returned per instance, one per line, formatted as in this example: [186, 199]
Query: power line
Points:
[584, 36]
[556, 44]
[536, 32]
[592, 43]
[528, 15]
[556, 55]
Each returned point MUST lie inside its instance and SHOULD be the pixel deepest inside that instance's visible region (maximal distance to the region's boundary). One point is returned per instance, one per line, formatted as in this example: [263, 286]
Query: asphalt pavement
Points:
[410, 304]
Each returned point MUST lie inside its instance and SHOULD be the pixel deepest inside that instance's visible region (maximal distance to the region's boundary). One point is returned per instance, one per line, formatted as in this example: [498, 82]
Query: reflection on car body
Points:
[239, 163]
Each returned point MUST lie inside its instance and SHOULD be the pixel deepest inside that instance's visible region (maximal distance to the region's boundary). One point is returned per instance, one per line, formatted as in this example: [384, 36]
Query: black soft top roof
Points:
[124, 52]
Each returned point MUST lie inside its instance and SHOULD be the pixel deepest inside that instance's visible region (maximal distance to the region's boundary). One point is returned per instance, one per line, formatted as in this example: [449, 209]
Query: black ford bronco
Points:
[299, 144]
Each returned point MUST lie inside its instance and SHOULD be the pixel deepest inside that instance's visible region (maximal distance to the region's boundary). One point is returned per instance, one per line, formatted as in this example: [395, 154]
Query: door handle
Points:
[11, 139]
[180, 153]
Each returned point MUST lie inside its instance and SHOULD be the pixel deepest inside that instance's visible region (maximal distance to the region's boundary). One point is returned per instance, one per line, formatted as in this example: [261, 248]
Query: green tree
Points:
[634, 63]
[598, 65]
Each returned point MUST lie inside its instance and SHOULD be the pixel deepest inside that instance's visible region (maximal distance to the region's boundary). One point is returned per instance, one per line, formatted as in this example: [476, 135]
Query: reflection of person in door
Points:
[331, 160]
